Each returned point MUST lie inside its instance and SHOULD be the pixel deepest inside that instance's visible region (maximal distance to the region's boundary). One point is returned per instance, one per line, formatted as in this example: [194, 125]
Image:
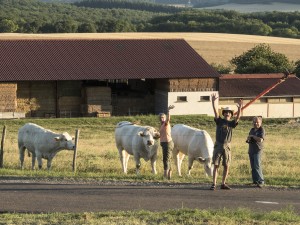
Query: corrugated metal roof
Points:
[250, 85]
[69, 59]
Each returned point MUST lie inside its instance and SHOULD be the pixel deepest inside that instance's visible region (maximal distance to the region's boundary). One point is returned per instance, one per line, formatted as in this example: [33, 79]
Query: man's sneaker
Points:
[225, 187]
[260, 185]
[213, 187]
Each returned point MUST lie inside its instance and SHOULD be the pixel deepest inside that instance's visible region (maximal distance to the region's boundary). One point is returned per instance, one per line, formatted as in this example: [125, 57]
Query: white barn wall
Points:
[256, 110]
[270, 110]
[193, 105]
[284, 110]
[297, 109]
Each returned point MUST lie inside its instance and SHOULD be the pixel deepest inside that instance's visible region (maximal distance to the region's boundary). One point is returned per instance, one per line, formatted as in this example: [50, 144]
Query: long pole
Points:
[265, 91]
[75, 150]
[2, 146]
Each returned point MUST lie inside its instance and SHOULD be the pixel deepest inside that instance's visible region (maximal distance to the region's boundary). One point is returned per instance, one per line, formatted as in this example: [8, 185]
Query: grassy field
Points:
[180, 216]
[213, 47]
[98, 157]
[98, 160]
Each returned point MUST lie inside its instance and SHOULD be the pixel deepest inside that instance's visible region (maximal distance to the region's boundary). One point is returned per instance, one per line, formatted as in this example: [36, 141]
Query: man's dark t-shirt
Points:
[224, 130]
[254, 146]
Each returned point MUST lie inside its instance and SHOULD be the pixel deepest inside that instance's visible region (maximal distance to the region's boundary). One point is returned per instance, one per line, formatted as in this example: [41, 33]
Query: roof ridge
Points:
[252, 76]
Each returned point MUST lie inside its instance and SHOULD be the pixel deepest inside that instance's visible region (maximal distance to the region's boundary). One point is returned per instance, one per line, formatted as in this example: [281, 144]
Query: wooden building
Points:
[98, 77]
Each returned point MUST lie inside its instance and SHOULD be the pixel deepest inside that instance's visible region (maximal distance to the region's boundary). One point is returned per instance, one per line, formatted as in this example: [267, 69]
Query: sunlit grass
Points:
[176, 216]
[97, 156]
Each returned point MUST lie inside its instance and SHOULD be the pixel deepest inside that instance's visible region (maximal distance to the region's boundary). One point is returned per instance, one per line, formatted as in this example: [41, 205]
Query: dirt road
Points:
[55, 197]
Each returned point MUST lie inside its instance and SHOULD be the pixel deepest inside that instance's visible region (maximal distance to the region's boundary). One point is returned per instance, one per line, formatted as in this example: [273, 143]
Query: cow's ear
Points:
[156, 135]
[141, 133]
[73, 138]
[202, 160]
[57, 138]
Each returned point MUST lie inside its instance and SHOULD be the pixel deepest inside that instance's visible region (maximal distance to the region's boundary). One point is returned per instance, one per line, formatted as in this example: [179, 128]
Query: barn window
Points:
[204, 98]
[280, 100]
[181, 99]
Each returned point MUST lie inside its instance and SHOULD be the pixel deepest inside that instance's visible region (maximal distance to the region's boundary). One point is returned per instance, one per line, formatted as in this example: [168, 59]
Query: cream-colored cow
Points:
[139, 141]
[196, 144]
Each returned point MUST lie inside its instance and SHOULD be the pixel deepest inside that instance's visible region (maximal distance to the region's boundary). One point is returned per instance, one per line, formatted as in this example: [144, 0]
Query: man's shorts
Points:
[222, 151]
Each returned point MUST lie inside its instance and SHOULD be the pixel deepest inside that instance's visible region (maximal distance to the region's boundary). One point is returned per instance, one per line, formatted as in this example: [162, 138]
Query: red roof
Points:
[250, 85]
[69, 59]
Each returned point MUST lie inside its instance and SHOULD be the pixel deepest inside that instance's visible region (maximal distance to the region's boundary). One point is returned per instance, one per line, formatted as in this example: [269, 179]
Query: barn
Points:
[281, 102]
[102, 77]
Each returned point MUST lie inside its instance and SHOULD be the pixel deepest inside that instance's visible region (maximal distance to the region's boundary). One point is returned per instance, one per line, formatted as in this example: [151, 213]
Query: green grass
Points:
[98, 159]
[178, 216]
[97, 155]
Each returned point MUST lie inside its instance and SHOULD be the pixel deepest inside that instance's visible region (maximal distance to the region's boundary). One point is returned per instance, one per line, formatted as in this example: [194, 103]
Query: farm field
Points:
[98, 159]
[248, 8]
[213, 47]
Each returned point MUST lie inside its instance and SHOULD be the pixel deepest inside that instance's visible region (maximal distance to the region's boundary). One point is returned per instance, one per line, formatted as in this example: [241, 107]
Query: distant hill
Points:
[206, 2]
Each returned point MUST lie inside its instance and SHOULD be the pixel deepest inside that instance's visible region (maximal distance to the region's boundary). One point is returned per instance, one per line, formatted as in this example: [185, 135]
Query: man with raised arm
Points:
[222, 148]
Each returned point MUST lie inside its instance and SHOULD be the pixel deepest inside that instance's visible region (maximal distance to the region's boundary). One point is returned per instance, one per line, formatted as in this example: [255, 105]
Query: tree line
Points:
[279, 24]
[33, 16]
[120, 4]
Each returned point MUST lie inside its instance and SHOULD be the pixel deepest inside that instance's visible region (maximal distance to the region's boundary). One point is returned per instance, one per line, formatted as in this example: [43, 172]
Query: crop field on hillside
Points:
[213, 47]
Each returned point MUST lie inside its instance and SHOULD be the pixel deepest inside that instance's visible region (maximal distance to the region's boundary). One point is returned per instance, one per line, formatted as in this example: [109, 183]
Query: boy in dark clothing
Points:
[223, 139]
[255, 140]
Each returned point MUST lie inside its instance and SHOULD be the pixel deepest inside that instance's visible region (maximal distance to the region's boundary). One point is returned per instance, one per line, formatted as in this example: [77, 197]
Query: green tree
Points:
[8, 26]
[66, 26]
[261, 59]
[297, 68]
[221, 68]
[87, 28]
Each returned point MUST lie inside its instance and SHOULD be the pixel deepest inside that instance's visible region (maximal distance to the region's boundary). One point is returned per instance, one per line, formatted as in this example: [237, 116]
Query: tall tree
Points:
[261, 59]
[297, 69]
[8, 26]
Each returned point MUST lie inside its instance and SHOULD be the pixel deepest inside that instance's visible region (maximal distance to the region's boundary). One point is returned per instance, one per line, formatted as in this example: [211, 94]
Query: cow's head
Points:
[149, 135]
[65, 141]
[208, 166]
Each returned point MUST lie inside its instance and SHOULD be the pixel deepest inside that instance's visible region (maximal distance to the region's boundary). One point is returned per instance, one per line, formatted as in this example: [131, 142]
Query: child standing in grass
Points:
[222, 149]
[166, 141]
[255, 140]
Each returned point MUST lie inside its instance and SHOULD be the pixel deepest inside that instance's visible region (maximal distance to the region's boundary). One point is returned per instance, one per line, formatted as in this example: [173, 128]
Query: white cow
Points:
[139, 141]
[42, 143]
[195, 143]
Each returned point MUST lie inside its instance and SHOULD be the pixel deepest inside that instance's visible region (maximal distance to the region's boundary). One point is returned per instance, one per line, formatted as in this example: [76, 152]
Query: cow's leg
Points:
[176, 160]
[39, 159]
[179, 157]
[124, 157]
[21, 154]
[137, 164]
[190, 165]
[153, 164]
[125, 160]
[33, 160]
[49, 162]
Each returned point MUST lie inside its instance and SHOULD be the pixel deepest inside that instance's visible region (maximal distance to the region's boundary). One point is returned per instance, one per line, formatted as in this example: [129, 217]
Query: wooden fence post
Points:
[2, 146]
[75, 150]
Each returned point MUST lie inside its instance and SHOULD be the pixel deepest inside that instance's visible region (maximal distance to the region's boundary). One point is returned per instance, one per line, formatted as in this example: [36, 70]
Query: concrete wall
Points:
[196, 103]
[10, 115]
[270, 110]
